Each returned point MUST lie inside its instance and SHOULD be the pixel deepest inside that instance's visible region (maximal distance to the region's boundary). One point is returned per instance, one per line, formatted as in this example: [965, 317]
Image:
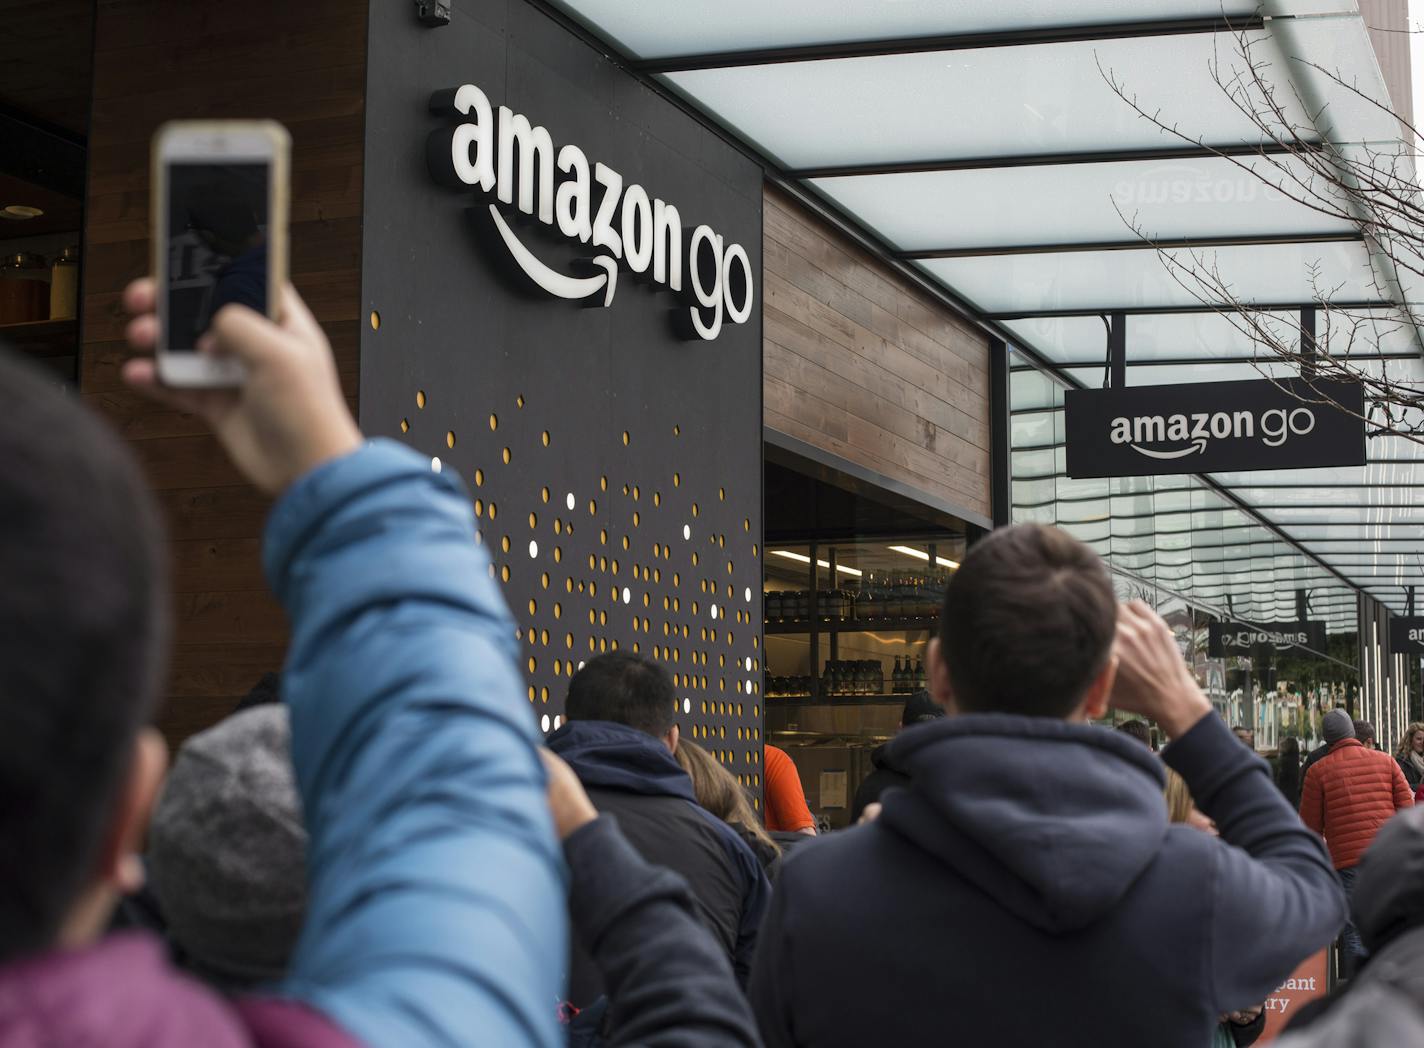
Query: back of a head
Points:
[1290, 748]
[83, 635]
[625, 689]
[919, 709]
[1138, 730]
[1364, 731]
[1028, 623]
[1179, 798]
[227, 850]
[718, 791]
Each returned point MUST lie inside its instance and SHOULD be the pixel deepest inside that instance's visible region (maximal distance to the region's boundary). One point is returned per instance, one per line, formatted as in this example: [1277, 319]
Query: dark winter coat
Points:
[877, 782]
[1384, 1003]
[669, 982]
[633, 776]
[1028, 883]
[1412, 775]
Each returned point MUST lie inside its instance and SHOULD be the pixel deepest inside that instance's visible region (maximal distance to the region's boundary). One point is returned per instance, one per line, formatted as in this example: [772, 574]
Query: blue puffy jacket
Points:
[436, 906]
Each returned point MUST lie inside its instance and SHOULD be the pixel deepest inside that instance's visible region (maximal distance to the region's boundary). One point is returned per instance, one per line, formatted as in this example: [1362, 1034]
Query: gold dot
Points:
[625, 438]
[531, 635]
[676, 480]
[592, 644]
[504, 543]
[479, 507]
[754, 549]
[405, 425]
[625, 542]
[544, 581]
[558, 555]
[558, 526]
[544, 694]
[494, 421]
[568, 585]
[603, 618]
[504, 573]
[592, 508]
[479, 478]
[636, 518]
[694, 560]
[694, 509]
[626, 489]
[532, 693]
[544, 637]
[615, 567]
[558, 610]
[519, 401]
[635, 493]
[676, 430]
[546, 438]
[729, 567]
[449, 438]
[568, 640]
[532, 664]
[592, 589]
[375, 321]
[544, 495]
[602, 537]
[602, 483]
[721, 494]
[492, 511]
[506, 456]
[533, 520]
[533, 607]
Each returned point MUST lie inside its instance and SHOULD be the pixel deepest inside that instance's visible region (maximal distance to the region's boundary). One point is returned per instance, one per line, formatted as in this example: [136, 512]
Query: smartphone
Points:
[219, 236]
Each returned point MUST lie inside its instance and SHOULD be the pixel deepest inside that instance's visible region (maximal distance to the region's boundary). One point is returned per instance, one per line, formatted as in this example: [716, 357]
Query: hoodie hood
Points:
[1055, 821]
[617, 757]
[1389, 893]
[119, 993]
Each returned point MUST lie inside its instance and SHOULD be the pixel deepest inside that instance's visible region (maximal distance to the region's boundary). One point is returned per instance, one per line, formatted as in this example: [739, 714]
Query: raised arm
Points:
[436, 911]
[1275, 898]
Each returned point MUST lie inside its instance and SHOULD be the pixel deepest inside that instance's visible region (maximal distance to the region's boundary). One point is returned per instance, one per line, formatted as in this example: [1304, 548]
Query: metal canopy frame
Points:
[1333, 25]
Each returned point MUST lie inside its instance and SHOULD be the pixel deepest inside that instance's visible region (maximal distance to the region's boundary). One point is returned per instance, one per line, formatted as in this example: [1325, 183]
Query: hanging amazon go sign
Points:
[501, 155]
[1207, 427]
[1406, 635]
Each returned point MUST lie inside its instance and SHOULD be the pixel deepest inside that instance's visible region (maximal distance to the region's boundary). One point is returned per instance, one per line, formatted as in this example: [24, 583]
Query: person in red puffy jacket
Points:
[1347, 796]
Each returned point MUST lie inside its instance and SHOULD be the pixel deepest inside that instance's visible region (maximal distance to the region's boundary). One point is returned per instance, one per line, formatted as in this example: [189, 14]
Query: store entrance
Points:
[854, 581]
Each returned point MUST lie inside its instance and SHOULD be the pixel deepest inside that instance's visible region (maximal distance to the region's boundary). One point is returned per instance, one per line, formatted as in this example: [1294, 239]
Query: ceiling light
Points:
[920, 554]
[20, 212]
[854, 572]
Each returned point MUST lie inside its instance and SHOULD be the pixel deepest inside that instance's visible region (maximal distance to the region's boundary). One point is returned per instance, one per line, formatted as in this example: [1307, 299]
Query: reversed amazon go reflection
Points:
[1201, 427]
[516, 162]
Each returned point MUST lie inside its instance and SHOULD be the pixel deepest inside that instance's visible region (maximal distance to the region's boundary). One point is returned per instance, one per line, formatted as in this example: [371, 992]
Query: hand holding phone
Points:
[288, 417]
[219, 237]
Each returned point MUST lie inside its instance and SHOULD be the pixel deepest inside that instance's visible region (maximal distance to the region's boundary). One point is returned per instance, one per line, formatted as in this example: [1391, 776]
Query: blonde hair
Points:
[718, 791]
[1403, 750]
[1179, 799]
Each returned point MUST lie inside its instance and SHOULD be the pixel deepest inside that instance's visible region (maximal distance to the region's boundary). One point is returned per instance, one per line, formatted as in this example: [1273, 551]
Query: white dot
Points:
[686, 532]
[749, 687]
[714, 611]
[627, 596]
[491, 571]
[686, 705]
[544, 722]
[557, 722]
[580, 664]
[749, 663]
[435, 463]
[569, 500]
[747, 594]
[533, 548]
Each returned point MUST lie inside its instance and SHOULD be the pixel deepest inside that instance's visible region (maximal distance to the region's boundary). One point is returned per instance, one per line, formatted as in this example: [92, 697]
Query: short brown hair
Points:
[1028, 622]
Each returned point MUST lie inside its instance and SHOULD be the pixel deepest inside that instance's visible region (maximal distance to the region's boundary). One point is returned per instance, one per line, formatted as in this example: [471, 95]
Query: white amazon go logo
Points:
[1194, 431]
[643, 233]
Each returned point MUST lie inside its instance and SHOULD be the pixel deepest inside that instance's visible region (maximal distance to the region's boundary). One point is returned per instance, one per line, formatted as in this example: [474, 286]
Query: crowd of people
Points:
[381, 849]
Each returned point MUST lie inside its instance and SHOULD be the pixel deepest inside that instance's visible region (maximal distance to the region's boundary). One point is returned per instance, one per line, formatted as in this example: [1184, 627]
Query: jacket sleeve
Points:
[770, 988]
[668, 981]
[1403, 796]
[436, 910]
[1275, 898]
[756, 898]
[1312, 800]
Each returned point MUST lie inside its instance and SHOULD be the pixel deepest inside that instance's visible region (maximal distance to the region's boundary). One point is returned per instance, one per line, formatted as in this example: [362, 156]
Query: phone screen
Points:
[217, 244]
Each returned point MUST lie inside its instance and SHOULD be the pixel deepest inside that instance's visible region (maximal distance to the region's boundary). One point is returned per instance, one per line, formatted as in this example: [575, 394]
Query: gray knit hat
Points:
[227, 850]
[1337, 725]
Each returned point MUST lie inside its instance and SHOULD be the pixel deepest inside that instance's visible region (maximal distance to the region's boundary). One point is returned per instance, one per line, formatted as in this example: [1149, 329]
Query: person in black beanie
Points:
[919, 708]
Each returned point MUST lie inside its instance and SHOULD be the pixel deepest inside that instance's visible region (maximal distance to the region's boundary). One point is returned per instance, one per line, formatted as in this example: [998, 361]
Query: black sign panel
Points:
[1406, 635]
[1206, 427]
[526, 322]
[1237, 638]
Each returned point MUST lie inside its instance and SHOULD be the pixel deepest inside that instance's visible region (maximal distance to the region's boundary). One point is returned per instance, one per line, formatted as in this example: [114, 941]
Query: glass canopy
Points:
[1002, 150]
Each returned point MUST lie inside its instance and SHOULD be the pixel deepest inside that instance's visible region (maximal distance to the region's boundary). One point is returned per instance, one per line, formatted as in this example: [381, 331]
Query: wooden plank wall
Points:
[303, 64]
[861, 364]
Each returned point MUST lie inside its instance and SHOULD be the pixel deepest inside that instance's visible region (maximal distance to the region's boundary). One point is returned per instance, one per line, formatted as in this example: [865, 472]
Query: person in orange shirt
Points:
[786, 809]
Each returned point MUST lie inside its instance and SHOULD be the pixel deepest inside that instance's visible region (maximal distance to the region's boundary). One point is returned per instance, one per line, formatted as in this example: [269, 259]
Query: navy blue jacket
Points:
[633, 776]
[1028, 889]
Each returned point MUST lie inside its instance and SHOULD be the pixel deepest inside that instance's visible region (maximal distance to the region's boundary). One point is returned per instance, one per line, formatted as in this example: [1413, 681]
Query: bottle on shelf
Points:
[920, 682]
[897, 678]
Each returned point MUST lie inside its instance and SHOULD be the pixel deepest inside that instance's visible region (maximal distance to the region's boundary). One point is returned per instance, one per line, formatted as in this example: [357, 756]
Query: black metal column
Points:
[1001, 464]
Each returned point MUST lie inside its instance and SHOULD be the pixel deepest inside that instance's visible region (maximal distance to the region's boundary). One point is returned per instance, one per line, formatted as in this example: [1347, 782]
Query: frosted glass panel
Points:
[1080, 203]
[1136, 279]
[642, 27]
[990, 102]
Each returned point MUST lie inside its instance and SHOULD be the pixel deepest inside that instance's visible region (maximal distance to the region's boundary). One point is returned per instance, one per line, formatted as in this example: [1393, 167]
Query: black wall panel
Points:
[541, 404]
